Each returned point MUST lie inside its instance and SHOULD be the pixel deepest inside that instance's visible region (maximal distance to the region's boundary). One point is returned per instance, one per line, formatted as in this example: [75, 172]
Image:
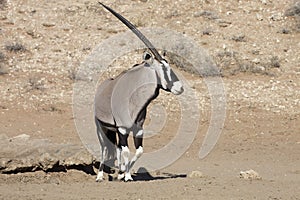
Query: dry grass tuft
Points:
[15, 47]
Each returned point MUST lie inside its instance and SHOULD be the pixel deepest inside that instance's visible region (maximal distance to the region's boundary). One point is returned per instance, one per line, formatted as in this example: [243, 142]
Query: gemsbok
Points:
[121, 104]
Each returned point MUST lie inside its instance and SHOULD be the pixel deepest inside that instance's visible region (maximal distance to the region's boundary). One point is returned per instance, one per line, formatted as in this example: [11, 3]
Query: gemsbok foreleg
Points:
[138, 143]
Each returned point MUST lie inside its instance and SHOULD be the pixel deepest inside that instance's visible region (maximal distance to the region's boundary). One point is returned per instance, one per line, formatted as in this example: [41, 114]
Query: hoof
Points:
[99, 180]
[121, 176]
[128, 177]
[100, 177]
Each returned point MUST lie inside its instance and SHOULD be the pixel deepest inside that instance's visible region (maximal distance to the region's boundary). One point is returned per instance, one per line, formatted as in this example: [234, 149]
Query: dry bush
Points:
[15, 47]
[294, 11]
[3, 4]
[3, 69]
[231, 63]
[2, 57]
[35, 83]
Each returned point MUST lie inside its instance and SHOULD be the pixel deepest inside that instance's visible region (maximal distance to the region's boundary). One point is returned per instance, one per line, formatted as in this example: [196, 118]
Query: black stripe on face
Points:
[173, 76]
[165, 73]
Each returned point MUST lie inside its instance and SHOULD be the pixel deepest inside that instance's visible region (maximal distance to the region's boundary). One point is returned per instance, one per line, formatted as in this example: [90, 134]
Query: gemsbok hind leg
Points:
[125, 152]
[103, 150]
[108, 142]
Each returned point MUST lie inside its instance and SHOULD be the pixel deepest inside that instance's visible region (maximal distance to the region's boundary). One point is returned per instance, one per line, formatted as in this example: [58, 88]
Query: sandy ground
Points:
[255, 45]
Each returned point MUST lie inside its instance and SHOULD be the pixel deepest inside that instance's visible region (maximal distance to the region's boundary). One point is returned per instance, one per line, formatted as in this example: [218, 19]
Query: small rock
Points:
[224, 23]
[47, 161]
[276, 17]
[239, 38]
[3, 17]
[229, 13]
[259, 68]
[207, 32]
[256, 61]
[259, 17]
[285, 31]
[20, 138]
[206, 14]
[264, 2]
[250, 175]
[195, 174]
[48, 24]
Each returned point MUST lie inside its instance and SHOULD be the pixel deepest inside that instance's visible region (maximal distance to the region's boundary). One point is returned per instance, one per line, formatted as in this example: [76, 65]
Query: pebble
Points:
[264, 2]
[259, 17]
[48, 24]
[250, 175]
[276, 17]
[256, 60]
[196, 174]
[20, 138]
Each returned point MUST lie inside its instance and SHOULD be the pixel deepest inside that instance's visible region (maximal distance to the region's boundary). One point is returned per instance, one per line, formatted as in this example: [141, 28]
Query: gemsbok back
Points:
[121, 104]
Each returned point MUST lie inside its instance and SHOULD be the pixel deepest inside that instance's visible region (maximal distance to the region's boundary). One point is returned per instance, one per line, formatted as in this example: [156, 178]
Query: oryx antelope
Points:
[120, 105]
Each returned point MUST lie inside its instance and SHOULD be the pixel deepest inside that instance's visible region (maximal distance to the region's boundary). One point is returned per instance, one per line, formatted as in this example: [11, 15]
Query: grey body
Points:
[121, 104]
[119, 101]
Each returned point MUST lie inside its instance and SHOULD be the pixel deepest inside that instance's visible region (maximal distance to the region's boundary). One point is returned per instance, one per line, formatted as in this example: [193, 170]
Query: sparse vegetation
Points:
[52, 108]
[294, 11]
[2, 57]
[36, 83]
[239, 38]
[227, 60]
[72, 73]
[3, 69]
[206, 14]
[185, 65]
[274, 62]
[15, 47]
[3, 3]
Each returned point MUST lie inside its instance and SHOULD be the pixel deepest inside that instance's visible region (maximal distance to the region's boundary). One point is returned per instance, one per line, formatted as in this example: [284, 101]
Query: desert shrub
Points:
[35, 83]
[231, 63]
[15, 47]
[294, 11]
[2, 57]
[3, 69]
[3, 4]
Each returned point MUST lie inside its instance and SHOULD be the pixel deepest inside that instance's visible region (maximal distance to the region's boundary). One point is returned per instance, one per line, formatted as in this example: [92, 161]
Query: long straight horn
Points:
[135, 31]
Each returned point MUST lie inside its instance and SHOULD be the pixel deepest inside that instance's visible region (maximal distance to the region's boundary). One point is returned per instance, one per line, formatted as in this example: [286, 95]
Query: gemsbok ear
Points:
[148, 58]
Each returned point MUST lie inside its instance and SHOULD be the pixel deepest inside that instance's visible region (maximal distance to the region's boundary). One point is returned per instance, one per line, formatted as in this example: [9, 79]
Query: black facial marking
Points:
[147, 56]
[174, 77]
[169, 82]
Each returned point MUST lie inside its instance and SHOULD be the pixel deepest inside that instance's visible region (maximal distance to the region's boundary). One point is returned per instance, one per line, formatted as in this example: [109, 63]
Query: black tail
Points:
[108, 140]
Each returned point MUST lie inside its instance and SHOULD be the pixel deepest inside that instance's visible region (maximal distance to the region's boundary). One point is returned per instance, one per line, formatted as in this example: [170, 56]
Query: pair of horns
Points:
[135, 31]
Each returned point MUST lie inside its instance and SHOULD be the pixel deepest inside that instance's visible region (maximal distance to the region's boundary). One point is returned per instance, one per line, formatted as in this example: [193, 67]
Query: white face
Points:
[177, 88]
[169, 80]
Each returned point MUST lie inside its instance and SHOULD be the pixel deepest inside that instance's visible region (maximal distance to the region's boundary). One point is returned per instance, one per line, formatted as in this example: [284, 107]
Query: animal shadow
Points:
[143, 175]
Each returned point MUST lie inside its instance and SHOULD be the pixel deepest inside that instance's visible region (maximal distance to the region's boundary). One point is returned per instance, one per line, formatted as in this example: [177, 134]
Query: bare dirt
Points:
[254, 43]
